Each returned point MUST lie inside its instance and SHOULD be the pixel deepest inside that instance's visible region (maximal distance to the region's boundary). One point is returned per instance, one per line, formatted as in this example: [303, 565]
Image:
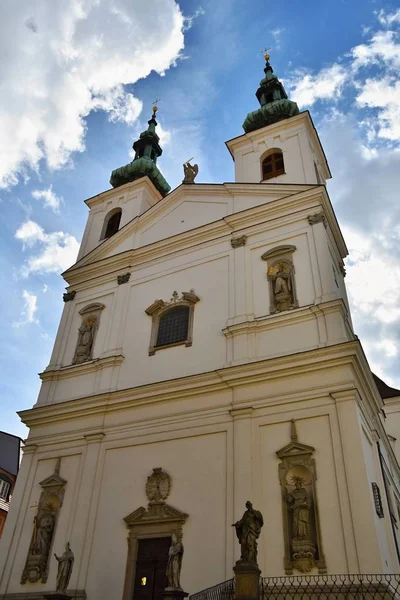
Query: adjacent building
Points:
[10, 450]
[205, 357]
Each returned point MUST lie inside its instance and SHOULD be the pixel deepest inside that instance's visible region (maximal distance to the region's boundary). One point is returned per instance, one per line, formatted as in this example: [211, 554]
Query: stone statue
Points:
[65, 564]
[84, 346]
[282, 289]
[248, 531]
[174, 565]
[300, 507]
[44, 534]
[190, 172]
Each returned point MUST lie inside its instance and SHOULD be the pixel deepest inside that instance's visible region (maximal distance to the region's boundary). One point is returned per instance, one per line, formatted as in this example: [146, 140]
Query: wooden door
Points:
[151, 565]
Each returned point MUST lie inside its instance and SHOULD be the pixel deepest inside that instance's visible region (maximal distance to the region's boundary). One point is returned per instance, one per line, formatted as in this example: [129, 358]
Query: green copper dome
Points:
[147, 150]
[274, 102]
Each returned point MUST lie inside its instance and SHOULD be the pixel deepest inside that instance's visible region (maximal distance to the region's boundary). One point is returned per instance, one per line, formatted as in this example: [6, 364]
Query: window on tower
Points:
[111, 223]
[172, 322]
[272, 165]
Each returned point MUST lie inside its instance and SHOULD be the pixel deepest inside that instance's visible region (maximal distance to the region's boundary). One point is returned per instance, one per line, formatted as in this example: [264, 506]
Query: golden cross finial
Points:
[266, 53]
[155, 102]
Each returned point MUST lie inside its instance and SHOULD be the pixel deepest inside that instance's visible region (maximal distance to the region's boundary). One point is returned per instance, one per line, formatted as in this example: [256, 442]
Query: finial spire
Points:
[293, 432]
[274, 103]
[266, 53]
[147, 151]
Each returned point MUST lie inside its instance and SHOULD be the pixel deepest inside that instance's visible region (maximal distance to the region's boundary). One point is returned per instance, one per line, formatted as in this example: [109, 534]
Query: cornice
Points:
[91, 366]
[286, 207]
[122, 189]
[297, 315]
[195, 385]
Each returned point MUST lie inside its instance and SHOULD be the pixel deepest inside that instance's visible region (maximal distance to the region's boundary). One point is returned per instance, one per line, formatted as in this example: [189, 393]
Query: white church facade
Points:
[206, 357]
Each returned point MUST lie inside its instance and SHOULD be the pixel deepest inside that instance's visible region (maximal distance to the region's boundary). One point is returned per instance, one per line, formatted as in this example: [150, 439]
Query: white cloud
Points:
[50, 200]
[71, 58]
[45, 288]
[388, 18]
[326, 85]
[364, 195]
[29, 310]
[383, 94]
[188, 21]
[58, 250]
[277, 33]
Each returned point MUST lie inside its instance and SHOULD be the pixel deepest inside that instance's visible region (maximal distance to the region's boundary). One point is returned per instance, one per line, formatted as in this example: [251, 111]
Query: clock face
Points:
[158, 485]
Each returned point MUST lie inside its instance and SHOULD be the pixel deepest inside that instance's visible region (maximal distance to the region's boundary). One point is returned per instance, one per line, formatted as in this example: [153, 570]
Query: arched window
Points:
[172, 322]
[173, 326]
[111, 223]
[272, 165]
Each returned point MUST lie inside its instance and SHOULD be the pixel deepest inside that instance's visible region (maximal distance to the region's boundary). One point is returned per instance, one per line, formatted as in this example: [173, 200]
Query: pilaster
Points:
[242, 459]
[86, 505]
[358, 486]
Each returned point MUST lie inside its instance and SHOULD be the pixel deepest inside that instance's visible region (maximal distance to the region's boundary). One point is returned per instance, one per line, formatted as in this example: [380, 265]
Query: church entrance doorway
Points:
[151, 565]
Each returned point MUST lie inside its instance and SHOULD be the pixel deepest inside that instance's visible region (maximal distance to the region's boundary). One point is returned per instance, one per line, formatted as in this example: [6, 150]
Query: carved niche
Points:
[302, 535]
[157, 520]
[44, 524]
[280, 275]
[87, 332]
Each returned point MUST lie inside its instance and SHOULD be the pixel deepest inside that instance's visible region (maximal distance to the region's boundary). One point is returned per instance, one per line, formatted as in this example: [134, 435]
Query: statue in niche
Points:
[84, 346]
[281, 279]
[300, 508]
[190, 172]
[175, 555]
[44, 534]
[248, 531]
[65, 564]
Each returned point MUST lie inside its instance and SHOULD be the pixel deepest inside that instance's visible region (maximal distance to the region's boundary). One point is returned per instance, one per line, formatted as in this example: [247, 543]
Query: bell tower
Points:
[280, 144]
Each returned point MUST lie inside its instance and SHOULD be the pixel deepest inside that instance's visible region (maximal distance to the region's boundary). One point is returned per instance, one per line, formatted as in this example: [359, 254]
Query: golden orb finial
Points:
[155, 107]
[266, 53]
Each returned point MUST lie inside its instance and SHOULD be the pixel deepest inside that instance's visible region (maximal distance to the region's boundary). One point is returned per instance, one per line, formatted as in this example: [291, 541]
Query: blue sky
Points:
[78, 84]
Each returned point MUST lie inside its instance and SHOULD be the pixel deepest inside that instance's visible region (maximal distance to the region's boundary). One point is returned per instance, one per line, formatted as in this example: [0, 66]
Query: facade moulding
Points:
[289, 318]
[235, 221]
[347, 353]
[90, 366]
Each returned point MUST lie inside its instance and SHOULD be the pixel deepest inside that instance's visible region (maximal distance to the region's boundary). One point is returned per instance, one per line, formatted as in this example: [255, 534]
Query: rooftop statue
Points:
[190, 171]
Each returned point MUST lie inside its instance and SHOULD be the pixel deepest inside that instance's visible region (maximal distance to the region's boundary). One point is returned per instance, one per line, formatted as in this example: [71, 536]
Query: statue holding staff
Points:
[65, 564]
[248, 531]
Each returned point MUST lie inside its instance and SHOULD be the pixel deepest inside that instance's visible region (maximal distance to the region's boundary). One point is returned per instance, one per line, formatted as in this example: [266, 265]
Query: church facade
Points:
[206, 357]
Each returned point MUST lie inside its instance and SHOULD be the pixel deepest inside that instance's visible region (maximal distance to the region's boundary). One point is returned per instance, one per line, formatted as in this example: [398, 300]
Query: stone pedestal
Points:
[174, 594]
[56, 596]
[247, 581]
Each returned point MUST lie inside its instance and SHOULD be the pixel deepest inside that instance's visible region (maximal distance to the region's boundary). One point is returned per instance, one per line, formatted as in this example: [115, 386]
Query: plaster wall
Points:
[220, 450]
[382, 526]
[392, 423]
[232, 320]
[133, 199]
[294, 142]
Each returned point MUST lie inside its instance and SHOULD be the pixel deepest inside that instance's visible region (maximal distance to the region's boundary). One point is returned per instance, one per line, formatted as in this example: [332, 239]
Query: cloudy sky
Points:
[77, 82]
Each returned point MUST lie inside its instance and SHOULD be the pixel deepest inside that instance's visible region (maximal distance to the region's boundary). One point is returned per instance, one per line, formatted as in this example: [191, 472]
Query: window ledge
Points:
[154, 349]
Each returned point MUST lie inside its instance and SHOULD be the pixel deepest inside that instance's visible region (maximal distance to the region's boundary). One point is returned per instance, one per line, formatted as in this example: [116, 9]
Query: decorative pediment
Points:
[53, 481]
[155, 513]
[295, 449]
[278, 251]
